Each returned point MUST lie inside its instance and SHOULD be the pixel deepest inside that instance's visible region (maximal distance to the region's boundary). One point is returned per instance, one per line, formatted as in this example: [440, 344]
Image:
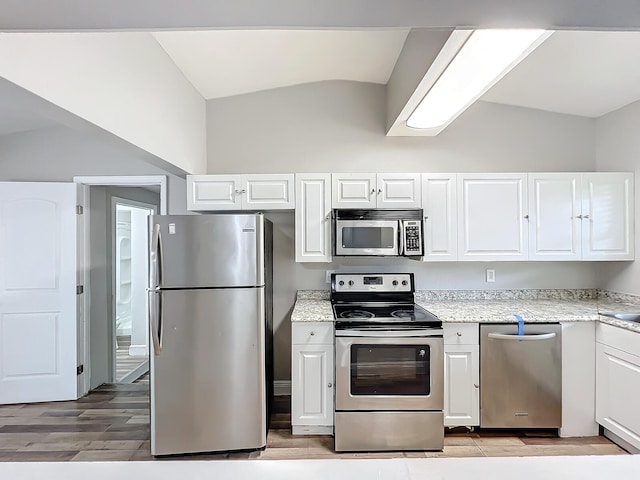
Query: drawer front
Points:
[460, 333]
[308, 333]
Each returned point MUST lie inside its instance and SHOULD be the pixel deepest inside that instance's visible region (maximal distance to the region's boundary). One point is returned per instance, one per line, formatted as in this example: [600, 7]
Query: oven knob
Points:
[341, 282]
[405, 283]
[351, 283]
[394, 283]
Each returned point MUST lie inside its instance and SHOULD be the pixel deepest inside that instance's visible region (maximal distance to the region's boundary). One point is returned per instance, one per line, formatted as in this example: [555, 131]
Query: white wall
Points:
[618, 149]
[339, 127]
[58, 154]
[123, 82]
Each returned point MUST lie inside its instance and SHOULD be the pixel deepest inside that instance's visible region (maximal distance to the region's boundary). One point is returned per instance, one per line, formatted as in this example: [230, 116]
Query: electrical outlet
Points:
[327, 279]
[490, 275]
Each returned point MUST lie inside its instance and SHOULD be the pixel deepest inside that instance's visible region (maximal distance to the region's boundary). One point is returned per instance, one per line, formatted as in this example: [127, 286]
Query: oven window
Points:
[368, 237]
[390, 370]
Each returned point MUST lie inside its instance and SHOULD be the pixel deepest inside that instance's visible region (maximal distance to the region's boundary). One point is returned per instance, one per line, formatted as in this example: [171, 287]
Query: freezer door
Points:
[192, 251]
[208, 374]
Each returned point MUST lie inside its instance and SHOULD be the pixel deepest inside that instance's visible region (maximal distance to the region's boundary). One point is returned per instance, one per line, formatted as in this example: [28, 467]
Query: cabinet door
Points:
[312, 385]
[554, 216]
[461, 385]
[214, 192]
[440, 227]
[607, 216]
[617, 385]
[313, 217]
[267, 192]
[399, 190]
[491, 217]
[353, 190]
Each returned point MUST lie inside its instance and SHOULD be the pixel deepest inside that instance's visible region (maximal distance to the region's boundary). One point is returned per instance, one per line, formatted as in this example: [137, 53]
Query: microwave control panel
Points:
[412, 237]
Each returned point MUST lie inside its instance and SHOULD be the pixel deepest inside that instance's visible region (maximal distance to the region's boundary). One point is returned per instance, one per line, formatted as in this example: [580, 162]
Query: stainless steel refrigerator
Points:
[210, 328]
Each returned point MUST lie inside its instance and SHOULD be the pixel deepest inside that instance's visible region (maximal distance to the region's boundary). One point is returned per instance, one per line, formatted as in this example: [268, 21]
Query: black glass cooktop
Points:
[388, 313]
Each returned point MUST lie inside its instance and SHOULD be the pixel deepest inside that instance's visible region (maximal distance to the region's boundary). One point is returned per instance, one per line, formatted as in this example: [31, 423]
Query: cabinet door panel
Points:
[439, 205]
[353, 190]
[312, 385]
[214, 192]
[607, 210]
[462, 381]
[554, 210]
[313, 217]
[618, 381]
[491, 217]
[399, 190]
[268, 192]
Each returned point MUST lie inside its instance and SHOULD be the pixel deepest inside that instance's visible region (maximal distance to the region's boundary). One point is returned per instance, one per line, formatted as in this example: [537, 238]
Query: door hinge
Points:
[79, 289]
[79, 209]
[79, 369]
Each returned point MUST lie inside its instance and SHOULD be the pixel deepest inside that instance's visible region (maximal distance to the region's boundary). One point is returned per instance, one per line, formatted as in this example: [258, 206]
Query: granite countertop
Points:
[496, 306]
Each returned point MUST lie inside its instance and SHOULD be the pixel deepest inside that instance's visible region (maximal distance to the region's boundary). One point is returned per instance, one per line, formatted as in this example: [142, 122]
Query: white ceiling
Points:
[577, 73]
[222, 63]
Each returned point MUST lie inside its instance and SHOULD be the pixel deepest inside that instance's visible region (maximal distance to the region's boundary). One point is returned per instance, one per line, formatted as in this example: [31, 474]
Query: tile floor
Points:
[112, 424]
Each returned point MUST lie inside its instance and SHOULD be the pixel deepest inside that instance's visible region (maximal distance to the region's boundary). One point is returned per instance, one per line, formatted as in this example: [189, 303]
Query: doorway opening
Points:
[130, 267]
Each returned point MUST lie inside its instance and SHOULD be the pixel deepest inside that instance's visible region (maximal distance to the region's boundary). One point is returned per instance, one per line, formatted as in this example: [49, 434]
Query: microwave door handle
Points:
[401, 244]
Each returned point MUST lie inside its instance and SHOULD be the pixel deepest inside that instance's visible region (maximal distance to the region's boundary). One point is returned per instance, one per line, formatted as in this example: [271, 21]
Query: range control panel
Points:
[381, 282]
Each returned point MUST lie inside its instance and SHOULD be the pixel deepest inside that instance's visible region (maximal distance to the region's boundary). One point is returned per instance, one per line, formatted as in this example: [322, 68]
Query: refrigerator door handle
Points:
[155, 273]
[155, 319]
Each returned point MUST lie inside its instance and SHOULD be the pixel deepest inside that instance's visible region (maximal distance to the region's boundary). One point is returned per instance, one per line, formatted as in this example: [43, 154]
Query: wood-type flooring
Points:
[112, 423]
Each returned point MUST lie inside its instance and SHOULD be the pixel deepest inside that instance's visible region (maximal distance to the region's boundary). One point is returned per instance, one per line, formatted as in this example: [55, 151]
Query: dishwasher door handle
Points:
[528, 338]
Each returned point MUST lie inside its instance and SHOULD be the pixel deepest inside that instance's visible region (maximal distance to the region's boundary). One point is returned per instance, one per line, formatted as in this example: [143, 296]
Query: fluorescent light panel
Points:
[485, 58]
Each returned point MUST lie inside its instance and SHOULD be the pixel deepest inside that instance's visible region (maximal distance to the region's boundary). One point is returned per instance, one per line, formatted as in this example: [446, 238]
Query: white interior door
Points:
[37, 292]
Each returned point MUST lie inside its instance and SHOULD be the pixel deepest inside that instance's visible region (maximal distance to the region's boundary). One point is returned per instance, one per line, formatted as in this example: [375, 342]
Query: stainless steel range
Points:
[389, 365]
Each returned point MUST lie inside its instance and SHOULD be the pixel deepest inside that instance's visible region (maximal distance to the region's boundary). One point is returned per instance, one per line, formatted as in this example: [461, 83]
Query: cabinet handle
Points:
[243, 191]
[526, 217]
[373, 190]
[459, 334]
[476, 385]
[579, 216]
[237, 192]
[379, 191]
[330, 385]
[585, 216]
[312, 333]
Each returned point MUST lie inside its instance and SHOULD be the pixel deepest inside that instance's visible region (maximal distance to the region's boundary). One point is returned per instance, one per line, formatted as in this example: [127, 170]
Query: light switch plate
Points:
[490, 275]
[327, 279]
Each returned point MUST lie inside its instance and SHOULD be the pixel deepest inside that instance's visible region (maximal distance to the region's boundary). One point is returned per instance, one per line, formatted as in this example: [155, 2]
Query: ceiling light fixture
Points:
[486, 57]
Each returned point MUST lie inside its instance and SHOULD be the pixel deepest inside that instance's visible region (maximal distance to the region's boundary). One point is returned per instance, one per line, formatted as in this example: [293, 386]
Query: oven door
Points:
[362, 237]
[389, 373]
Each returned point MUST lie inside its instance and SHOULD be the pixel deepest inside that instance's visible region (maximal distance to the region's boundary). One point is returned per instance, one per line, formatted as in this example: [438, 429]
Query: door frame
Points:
[114, 202]
[84, 352]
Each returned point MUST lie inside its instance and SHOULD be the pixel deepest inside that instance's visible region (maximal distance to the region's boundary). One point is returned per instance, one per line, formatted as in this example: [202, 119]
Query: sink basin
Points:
[628, 317]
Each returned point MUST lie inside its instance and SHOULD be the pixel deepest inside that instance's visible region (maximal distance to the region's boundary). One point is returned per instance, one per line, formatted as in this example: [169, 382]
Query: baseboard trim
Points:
[139, 351]
[281, 388]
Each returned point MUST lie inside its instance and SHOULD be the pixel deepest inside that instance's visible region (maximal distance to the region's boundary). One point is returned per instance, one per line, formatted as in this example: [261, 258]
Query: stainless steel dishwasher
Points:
[521, 376]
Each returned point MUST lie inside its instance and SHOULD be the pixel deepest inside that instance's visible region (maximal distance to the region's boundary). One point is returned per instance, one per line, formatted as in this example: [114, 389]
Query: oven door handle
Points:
[435, 332]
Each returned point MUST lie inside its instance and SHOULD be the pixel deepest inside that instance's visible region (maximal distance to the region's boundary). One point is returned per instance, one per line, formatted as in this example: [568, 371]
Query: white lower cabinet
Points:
[312, 398]
[461, 375]
[618, 382]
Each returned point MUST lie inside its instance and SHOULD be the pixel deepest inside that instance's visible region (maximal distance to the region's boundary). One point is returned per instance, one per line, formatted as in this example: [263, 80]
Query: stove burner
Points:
[414, 314]
[356, 314]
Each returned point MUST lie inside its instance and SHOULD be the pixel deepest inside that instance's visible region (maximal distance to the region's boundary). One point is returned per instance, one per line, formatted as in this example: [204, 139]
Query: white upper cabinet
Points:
[354, 190]
[555, 224]
[492, 223]
[440, 226]
[581, 216]
[370, 190]
[240, 192]
[313, 217]
[607, 216]
[399, 190]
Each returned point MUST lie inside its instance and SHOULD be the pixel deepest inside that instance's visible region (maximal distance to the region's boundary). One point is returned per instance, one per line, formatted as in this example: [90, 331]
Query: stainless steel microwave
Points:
[396, 233]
